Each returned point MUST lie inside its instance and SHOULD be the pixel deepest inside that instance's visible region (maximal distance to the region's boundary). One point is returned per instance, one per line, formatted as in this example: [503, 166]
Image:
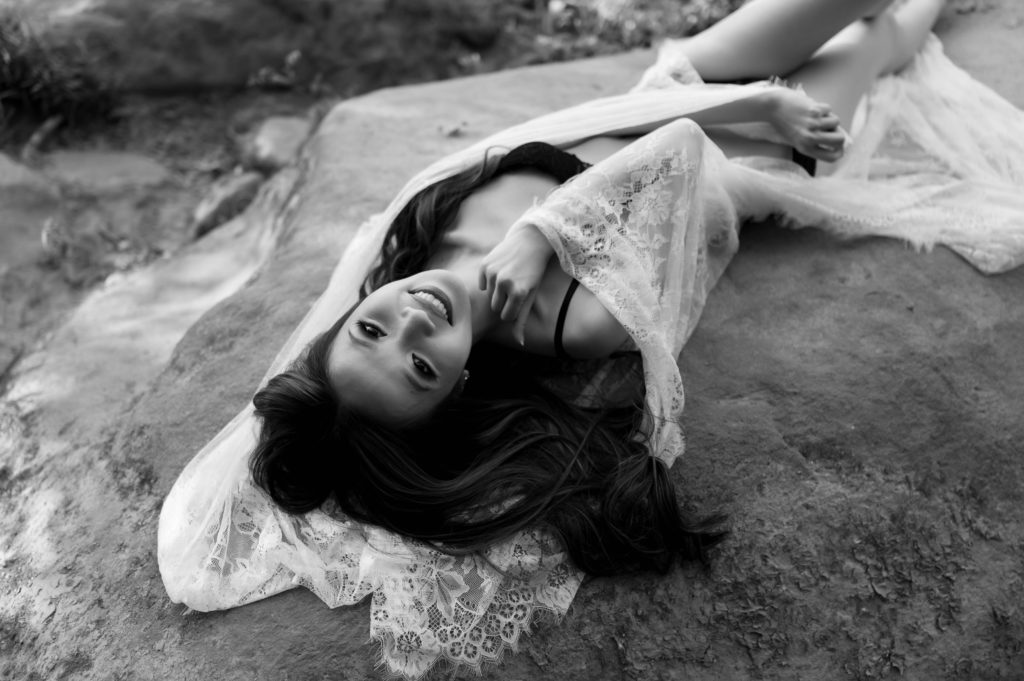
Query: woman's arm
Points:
[638, 180]
[803, 123]
[759, 107]
[613, 115]
[646, 231]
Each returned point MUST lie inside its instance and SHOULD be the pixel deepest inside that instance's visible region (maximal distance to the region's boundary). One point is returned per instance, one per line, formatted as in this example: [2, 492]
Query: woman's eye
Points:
[422, 367]
[371, 330]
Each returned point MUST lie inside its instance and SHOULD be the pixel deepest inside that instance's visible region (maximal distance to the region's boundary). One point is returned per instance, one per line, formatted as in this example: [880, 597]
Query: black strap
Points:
[560, 324]
[808, 163]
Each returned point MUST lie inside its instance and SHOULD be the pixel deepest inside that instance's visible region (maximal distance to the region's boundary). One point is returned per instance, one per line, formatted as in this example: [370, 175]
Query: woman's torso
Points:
[484, 218]
[481, 224]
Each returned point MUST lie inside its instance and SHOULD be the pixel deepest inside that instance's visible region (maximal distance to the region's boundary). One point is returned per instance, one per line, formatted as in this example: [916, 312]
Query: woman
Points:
[362, 416]
[591, 481]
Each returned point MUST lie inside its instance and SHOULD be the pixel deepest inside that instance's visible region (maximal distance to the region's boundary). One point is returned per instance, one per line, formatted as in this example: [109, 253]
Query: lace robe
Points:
[648, 231]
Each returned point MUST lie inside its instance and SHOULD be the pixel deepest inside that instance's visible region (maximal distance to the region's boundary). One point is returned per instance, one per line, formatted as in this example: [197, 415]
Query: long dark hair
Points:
[416, 231]
[508, 453]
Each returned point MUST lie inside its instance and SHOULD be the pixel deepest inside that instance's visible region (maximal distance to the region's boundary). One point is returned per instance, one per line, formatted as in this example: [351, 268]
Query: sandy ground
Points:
[854, 407]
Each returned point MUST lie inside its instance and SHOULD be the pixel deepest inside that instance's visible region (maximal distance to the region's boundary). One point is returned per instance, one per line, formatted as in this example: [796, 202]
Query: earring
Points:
[461, 385]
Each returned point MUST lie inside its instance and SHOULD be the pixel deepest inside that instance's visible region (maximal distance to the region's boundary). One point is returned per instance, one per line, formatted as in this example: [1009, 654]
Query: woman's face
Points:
[402, 350]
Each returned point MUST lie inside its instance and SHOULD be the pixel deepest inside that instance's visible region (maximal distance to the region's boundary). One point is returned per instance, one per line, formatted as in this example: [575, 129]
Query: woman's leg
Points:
[847, 65]
[772, 37]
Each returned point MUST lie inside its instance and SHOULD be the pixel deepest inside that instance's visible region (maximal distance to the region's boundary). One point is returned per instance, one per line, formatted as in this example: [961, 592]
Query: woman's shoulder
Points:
[590, 330]
[587, 329]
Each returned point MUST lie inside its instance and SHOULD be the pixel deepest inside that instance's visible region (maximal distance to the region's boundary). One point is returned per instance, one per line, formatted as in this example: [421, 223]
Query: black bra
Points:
[546, 158]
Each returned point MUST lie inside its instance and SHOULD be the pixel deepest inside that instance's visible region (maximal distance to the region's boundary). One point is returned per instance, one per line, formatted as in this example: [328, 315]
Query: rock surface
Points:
[27, 200]
[118, 210]
[16, 178]
[855, 407]
[105, 172]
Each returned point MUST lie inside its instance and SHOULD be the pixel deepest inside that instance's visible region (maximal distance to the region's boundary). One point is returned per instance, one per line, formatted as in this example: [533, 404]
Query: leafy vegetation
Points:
[580, 28]
[40, 81]
[45, 79]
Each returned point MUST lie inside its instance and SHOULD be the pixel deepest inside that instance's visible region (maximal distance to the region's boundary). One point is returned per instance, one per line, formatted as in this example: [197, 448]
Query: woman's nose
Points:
[417, 320]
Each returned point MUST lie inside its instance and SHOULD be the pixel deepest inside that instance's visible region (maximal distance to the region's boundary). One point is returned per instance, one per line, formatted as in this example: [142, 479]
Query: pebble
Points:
[275, 143]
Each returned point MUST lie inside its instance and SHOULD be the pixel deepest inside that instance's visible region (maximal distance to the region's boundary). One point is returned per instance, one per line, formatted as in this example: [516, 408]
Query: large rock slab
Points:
[855, 407]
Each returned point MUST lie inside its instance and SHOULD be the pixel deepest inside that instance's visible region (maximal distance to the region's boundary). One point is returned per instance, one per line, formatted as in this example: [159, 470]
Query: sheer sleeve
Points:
[648, 231]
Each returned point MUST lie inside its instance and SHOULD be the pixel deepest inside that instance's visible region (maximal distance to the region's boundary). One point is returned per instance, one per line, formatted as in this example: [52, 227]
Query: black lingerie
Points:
[560, 352]
[561, 165]
[808, 163]
[546, 158]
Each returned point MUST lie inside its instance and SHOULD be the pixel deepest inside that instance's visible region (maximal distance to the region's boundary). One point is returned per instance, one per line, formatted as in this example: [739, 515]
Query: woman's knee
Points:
[872, 42]
[890, 43]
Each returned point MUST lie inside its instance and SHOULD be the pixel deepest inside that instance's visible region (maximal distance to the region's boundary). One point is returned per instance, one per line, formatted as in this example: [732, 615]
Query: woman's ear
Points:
[460, 385]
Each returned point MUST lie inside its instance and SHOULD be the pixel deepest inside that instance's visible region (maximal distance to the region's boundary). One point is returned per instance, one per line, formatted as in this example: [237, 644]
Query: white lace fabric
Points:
[648, 236]
[648, 231]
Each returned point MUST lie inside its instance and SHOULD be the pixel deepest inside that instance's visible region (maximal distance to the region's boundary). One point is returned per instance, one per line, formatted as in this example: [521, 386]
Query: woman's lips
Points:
[436, 300]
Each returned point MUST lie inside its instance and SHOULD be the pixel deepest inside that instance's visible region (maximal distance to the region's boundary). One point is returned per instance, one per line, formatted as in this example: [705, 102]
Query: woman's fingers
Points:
[497, 298]
[506, 299]
[513, 302]
[829, 154]
[831, 139]
[519, 328]
[828, 122]
[824, 147]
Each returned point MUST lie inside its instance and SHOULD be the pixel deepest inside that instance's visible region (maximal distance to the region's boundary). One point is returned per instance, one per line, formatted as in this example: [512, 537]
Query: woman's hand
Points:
[809, 126]
[511, 272]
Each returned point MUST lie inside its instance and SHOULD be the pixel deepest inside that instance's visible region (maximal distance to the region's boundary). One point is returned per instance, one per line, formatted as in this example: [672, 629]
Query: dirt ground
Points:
[854, 407]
